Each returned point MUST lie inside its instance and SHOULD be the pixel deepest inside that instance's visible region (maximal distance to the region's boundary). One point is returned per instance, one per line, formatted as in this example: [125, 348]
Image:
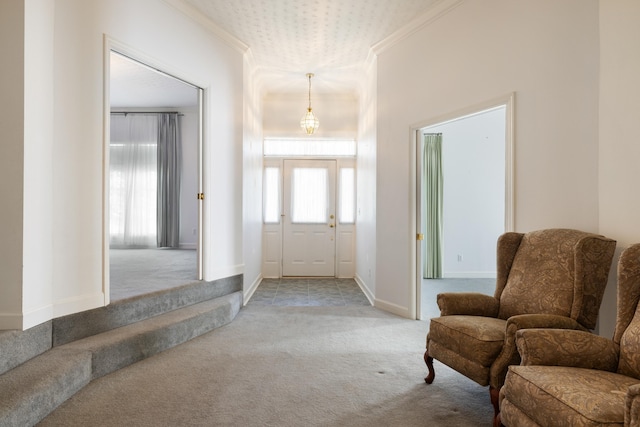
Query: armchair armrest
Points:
[632, 406]
[555, 347]
[509, 354]
[468, 303]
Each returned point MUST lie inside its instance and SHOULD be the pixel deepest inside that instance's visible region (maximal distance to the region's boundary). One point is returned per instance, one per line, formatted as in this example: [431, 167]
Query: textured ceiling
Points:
[287, 39]
[330, 38]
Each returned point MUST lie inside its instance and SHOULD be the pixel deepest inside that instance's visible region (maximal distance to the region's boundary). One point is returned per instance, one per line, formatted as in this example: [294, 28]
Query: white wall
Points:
[12, 123]
[72, 265]
[473, 164]
[619, 135]
[26, 34]
[37, 261]
[338, 114]
[252, 178]
[366, 236]
[477, 52]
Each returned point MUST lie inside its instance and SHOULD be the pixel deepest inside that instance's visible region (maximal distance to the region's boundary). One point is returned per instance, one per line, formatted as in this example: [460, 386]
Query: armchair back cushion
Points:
[627, 332]
[578, 378]
[560, 272]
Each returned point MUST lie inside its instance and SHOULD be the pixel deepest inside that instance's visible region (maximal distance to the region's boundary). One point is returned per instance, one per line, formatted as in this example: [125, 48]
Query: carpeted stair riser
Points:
[121, 347]
[120, 313]
[36, 376]
[31, 391]
[16, 347]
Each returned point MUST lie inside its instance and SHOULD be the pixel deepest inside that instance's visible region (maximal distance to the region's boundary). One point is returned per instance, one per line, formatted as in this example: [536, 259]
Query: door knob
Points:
[331, 225]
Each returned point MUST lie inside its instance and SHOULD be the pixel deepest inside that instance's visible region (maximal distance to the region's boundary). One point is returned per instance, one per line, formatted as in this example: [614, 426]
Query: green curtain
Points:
[432, 184]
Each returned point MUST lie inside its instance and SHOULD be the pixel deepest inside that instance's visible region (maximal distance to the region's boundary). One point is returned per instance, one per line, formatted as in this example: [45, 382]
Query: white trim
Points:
[365, 289]
[111, 44]
[248, 292]
[508, 101]
[224, 272]
[469, 275]
[206, 23]
[35, 317]
[11, 321]
[77, 304]
[393, 308]
[441, 8]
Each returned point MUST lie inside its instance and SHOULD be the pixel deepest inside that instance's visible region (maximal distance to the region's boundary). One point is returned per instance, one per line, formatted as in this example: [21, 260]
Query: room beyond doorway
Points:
[153, 158]
[474, 154]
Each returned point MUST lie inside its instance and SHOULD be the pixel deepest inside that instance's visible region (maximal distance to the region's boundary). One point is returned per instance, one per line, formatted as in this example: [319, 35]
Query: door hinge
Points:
[200, 196]
[419, 236]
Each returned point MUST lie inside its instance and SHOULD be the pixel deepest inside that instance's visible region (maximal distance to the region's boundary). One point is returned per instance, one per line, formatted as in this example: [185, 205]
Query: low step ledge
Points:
[34, 389]
[118, 348]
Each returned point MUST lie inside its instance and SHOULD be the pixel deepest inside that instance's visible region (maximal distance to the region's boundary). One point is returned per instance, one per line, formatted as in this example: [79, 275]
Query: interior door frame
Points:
[508, 101]
[110, 44]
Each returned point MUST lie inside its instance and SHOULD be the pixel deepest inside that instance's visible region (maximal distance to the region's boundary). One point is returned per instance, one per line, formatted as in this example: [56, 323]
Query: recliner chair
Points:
[573, 378]
[553, 278]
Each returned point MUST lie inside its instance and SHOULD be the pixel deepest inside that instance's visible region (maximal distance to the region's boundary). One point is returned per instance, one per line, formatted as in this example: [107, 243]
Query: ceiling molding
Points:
[206, 23]
[440, 9]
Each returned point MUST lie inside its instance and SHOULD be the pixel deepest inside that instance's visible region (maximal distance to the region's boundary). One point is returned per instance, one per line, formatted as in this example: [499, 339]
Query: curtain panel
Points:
[433, 197]
[144, 180]
[169, 174]
[132, 181]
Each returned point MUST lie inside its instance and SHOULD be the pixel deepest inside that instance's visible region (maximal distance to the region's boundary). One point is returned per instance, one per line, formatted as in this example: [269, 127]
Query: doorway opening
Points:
[309, 208]
[459, 218]
[153, 174]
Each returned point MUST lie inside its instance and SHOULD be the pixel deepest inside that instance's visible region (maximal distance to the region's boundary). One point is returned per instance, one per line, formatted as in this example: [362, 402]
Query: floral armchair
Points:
[552, 278]
[573, 378]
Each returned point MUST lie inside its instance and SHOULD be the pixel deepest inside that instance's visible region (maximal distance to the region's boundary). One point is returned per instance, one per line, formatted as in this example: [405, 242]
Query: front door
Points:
[309, 233]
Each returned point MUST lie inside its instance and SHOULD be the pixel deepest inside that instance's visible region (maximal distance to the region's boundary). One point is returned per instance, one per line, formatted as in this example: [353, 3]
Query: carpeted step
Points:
[33, 389]
[16, 347]
[117, 348]
[29, 392]
[128, 311]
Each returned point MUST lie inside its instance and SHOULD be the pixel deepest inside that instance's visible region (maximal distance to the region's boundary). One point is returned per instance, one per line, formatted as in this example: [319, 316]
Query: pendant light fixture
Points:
[309, 122]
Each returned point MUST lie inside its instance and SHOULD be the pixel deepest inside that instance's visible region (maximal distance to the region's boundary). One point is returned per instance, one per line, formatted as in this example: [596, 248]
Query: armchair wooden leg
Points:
[429, 361]
[494, 393]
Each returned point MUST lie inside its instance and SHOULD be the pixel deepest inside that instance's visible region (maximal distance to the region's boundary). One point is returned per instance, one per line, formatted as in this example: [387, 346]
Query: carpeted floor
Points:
[136, 272]
[303, 352]
[286, 366]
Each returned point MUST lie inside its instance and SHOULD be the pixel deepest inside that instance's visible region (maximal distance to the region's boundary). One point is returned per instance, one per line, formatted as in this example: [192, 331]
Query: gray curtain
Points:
[433, 205]
[169, 172]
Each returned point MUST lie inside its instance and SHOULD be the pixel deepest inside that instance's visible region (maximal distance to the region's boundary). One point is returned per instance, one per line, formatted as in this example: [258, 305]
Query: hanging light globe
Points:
[309, 122]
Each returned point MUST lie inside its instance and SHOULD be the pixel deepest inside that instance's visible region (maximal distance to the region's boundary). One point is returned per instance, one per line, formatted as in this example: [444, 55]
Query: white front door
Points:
[309, 232]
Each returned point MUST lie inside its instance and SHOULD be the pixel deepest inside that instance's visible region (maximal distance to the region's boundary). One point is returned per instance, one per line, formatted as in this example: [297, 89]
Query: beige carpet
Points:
[286, 366]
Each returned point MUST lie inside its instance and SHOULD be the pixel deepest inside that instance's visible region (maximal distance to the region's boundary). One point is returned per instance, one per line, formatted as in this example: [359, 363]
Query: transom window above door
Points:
[290, 147]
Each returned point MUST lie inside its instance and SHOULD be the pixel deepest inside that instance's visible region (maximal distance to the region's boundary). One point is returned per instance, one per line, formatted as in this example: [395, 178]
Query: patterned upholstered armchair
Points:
[552, 278]
[581, 379]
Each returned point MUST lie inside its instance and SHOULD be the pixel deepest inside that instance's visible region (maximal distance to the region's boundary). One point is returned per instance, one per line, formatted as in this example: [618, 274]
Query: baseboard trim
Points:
[248, 293]
[223, 272]
[392, 308]
[469, 275]
[365, 289]
[77, 304]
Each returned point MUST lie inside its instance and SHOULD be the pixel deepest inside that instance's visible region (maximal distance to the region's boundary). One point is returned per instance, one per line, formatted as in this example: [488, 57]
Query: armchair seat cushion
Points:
[475, 338]
[565, 396]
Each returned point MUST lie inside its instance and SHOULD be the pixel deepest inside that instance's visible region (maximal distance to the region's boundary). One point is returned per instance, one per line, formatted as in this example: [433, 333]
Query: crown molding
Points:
[197, 16]
[441, 8]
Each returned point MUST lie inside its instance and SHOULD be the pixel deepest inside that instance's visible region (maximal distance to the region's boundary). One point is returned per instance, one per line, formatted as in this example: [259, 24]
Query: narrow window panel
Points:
[347, 196]
[272, 195]
[309, 195]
